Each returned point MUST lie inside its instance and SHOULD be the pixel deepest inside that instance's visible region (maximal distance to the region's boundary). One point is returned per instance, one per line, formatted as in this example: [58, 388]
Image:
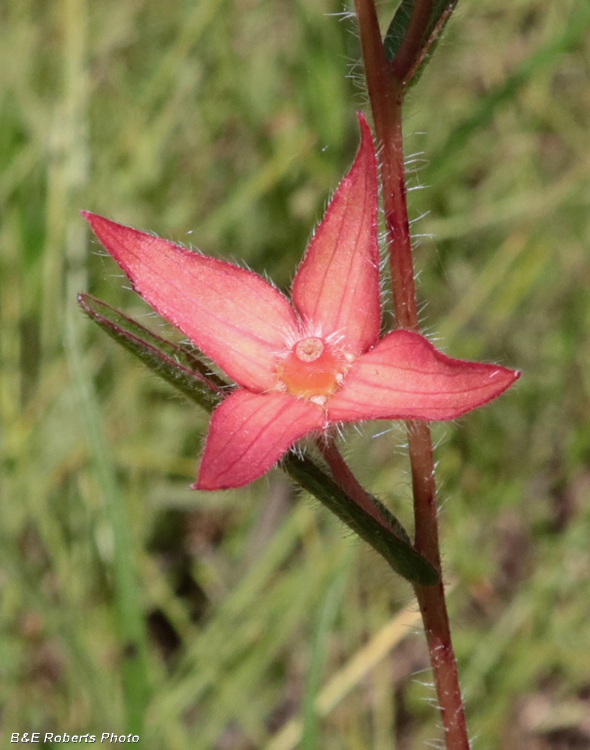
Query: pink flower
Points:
[305, 365]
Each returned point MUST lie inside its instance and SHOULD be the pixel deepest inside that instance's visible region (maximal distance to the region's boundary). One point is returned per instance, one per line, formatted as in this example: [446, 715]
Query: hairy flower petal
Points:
[337, 284]
[249, 433]
[233, 315]
[405, 377]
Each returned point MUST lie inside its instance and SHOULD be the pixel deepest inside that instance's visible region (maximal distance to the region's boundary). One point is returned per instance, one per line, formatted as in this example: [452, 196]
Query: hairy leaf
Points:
[394, 547]
[177, 365]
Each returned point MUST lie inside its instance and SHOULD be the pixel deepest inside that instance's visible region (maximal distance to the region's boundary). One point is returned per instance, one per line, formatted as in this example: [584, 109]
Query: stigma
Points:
[313, 369]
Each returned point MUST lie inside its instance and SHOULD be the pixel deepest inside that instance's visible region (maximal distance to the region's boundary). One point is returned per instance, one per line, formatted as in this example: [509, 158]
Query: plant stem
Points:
[411, 48]
[385, 82]
[432, 598]
[386, 100]
[347, 480]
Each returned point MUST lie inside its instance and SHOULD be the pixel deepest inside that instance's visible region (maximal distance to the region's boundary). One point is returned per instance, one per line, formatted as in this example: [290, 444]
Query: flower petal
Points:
[337, 284]
[249, 433]
[234, 316]
[405, 377]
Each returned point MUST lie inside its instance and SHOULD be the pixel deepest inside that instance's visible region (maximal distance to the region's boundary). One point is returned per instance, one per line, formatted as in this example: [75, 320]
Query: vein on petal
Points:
[256, 436]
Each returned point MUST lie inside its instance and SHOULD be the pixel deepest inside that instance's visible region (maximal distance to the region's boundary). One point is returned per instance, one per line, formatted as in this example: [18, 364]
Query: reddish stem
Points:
[385, 83]
[432, 598]
[411, 47]
[347, 480]
[386, 100]
[430, 41]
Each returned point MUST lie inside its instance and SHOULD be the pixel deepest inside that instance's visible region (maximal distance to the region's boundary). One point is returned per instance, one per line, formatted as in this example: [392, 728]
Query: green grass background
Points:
[207, 621]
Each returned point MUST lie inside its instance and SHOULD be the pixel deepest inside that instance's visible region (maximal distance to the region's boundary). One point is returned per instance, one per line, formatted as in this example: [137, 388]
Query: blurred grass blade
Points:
[352, 674]
[440, 13]
[176, 365]
[484, 110]
[325, 623]
[130, 622]
[397, 550]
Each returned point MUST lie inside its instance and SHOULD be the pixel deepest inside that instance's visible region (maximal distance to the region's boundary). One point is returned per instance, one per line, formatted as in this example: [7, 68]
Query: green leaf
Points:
[440, 13]
[177, 365]
[394, 547]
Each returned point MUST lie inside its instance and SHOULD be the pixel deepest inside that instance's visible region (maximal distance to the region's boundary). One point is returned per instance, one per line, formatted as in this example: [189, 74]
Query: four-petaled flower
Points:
[303, 366]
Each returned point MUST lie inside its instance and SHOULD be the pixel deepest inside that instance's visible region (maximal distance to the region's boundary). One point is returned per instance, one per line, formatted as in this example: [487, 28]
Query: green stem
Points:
[385, 84]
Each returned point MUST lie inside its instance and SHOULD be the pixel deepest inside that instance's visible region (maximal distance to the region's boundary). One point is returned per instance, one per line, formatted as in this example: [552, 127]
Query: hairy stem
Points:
[385, 94]
[386, 88]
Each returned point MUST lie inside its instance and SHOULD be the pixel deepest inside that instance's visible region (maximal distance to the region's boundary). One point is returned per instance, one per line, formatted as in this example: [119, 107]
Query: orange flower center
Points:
[313, 369]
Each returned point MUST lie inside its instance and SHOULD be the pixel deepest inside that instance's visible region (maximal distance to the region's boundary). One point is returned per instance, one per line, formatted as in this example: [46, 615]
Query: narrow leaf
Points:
[175, 364]
[398, 552]
[440, 12]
